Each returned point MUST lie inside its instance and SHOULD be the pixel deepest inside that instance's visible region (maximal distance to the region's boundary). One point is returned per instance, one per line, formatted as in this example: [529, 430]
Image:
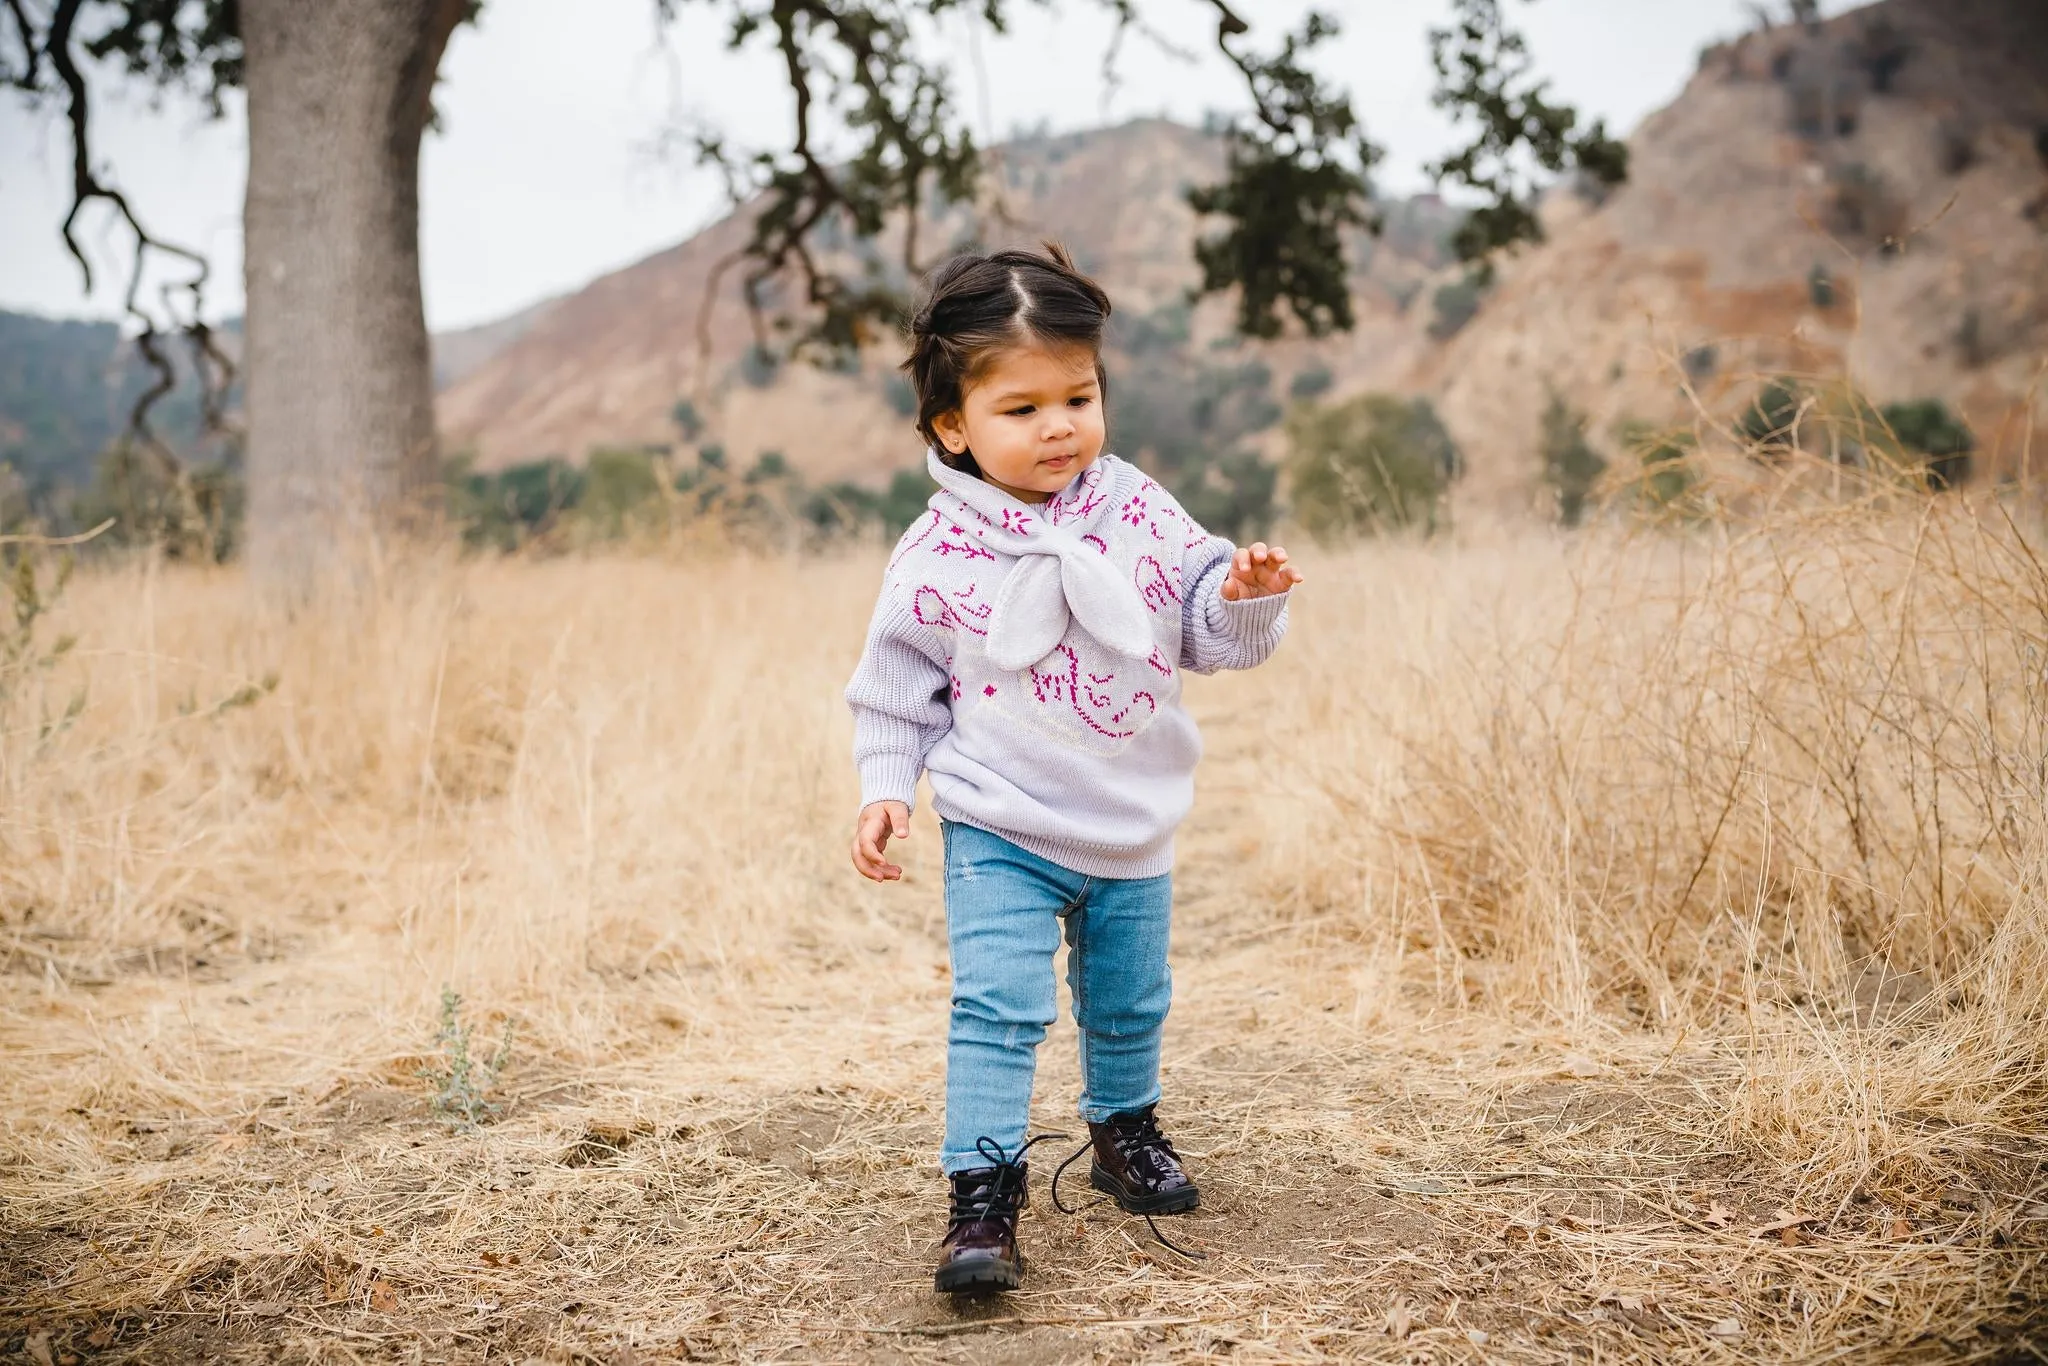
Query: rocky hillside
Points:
[1866, 198]
[1869, 199]
[609, 365]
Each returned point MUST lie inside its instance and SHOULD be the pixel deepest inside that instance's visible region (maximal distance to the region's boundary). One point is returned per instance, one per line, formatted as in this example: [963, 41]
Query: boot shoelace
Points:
[1146, 1135]
[1002, 1194]
[1139, 1133]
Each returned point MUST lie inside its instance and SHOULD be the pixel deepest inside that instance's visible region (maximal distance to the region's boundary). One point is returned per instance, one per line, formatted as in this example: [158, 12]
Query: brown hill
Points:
[608, 365]
[461, 350]
[1863, 199]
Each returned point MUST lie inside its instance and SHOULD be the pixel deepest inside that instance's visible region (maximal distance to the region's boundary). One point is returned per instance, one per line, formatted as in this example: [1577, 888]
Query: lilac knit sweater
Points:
[1085, 757]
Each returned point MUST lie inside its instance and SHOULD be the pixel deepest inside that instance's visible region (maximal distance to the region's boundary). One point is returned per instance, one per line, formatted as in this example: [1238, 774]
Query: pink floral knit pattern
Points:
[1087, 756]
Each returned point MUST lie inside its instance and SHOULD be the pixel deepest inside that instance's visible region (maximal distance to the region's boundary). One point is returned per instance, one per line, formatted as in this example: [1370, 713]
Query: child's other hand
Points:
[1258, 572]
[879, 821]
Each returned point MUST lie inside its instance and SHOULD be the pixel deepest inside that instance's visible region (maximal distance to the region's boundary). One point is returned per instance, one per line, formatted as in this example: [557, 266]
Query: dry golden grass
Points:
[1630, 948]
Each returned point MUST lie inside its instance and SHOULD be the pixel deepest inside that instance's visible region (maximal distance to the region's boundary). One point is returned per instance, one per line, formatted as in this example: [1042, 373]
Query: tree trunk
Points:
[341, 447]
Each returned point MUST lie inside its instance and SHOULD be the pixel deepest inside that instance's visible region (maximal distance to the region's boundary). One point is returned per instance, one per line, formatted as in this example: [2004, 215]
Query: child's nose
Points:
[1059, 424]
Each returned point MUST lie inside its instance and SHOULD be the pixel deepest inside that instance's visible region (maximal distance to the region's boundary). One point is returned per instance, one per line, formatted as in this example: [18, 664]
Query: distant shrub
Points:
[686, 419]
[1589, 189]
[1700, 362]
[901, 395]
[769, 465]
[1882, 50]
[1820, 286]
[1313, 382]
[1825, 96]
[848, 509]
[1666, 481]
[1231, 495]
[620, 491]
[504, 509]
[759, 366]
[1971, 341]
[1956, 145]
[1571, 467]
[1861, 207]
[708, 482]
[1835, 422]
[1770, 425]
[1187, 414]
[1457, 303]
[904, 500]
[1941, 441]
[1240, 395]
[1372, 463]
[188, 513]
[1161, 330]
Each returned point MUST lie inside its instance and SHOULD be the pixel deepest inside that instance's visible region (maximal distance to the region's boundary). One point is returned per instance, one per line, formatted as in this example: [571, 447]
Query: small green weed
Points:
[462, 1081]
[23, 650]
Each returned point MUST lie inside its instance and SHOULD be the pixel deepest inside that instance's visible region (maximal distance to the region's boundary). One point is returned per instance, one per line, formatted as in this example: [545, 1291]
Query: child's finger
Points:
[868, 860]
[1258, 552]
[899, 821]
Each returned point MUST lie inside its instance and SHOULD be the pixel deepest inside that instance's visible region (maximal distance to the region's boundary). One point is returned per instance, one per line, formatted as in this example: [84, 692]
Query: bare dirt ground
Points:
[226, 932]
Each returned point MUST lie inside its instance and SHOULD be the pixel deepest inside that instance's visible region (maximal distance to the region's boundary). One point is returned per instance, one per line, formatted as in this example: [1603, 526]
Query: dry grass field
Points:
[1628, 948]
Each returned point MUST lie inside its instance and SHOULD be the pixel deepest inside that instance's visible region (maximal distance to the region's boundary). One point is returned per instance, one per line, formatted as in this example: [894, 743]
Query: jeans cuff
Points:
[1098, 1114]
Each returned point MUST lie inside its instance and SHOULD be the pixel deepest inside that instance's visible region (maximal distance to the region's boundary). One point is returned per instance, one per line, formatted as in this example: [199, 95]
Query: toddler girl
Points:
[1027, 653]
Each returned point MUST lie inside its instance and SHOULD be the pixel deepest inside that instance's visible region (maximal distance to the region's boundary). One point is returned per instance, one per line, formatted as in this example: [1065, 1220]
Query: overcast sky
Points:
[548, 171]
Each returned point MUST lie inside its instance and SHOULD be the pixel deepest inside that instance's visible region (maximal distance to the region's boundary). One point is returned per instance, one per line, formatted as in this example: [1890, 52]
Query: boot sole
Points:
[1167, 1202]
[980, 1276]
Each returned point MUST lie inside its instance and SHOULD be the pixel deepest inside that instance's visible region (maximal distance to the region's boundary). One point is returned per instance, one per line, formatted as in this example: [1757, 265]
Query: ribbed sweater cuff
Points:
[888, 778]
[889, 751]
[1248, 618]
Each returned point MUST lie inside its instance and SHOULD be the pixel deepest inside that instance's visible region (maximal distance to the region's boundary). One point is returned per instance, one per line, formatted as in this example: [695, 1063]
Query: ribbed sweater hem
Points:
[1089, 860]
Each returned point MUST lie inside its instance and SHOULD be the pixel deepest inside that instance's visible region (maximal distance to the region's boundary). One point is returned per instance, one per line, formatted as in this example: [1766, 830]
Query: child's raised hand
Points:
[878, 821]
[1259, 572]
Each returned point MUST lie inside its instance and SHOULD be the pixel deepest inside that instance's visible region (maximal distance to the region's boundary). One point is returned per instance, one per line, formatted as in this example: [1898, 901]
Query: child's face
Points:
[1033, 419]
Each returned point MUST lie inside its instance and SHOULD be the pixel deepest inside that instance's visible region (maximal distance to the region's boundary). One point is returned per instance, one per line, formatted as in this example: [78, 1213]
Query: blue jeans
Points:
[1004, 908]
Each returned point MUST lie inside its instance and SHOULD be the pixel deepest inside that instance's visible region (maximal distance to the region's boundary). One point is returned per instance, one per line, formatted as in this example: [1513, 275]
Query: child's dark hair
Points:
[977, 305]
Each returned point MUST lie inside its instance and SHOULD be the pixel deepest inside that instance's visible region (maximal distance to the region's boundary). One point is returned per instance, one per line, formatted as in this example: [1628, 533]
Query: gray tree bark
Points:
[341, 447]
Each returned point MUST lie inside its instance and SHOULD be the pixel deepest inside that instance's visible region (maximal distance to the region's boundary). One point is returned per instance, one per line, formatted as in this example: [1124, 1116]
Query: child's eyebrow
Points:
[1019, 396]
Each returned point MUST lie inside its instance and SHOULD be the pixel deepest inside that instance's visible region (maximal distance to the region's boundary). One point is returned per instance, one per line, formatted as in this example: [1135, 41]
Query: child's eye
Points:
[1025, 411]
[1080, 402]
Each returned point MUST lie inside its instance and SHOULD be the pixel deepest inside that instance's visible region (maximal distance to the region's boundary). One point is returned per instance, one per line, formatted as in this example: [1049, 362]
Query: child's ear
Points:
[952, 431]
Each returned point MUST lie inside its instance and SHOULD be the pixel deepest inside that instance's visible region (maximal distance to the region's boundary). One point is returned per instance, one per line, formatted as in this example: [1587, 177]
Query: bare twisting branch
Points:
[31, 51]
[52, 53]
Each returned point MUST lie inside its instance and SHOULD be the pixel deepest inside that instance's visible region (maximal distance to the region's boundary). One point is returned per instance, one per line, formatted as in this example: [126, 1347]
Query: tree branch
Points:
[1298, 180]
[1299, 170]
[86, 187]
[859, 59]
[1483, 79]
[31, 54]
